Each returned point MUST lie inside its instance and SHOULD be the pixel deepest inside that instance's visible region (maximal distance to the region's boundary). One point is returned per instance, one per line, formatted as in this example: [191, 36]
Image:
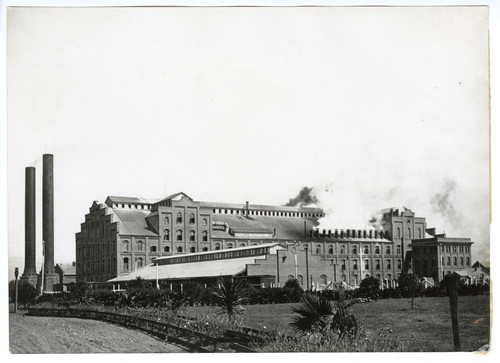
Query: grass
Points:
[428, 325]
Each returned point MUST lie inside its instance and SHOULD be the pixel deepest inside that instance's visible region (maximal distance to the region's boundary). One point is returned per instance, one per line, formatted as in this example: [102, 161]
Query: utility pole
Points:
[16, 274]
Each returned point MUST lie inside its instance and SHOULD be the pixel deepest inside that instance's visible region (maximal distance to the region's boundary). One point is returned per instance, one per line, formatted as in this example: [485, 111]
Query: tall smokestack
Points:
[30, 225]
[48, 221]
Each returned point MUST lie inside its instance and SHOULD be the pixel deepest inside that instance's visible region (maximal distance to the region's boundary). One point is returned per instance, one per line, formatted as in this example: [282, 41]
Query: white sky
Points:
[386, 106]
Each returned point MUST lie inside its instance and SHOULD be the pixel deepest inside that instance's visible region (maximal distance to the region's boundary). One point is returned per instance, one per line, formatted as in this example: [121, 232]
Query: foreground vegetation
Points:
[326, 321]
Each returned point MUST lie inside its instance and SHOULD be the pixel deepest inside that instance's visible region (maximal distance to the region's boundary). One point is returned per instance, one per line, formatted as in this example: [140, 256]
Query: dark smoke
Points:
[442, 201]
[305, 197]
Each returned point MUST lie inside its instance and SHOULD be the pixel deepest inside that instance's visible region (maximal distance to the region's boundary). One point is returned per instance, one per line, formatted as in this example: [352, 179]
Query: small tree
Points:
[26, 292]
[410, 282]
[231, 295]
[139, 283]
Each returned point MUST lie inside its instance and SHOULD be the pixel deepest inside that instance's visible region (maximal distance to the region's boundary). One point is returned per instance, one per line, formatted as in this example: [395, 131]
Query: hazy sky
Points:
[373, 107]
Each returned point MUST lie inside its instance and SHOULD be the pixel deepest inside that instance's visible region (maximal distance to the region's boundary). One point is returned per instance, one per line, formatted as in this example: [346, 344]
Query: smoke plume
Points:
[444, 202]
[304, 198]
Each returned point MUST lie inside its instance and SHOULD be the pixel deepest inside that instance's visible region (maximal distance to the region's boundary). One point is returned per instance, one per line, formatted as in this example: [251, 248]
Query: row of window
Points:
[132, 206]
[367, 264]
[217, 256]
[266, 213]
[192, 219]
[455, 261]
[179, 235]
[455, 248]
[408, 235]
[355, 251]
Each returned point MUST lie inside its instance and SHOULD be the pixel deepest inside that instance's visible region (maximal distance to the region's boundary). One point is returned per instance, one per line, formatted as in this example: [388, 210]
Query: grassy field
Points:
[429, 323]
[34, 334]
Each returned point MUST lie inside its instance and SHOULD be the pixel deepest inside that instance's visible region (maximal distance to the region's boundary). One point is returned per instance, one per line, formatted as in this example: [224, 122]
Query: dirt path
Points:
[33, 334]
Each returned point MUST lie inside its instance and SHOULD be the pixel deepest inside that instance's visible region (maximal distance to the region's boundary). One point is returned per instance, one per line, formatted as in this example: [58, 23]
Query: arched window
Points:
[125, 246]
[126, 264]
[377, 250]
[367, 265]
[300, 280]
[377, 265]
[389, 264]
[354, 250]
[342, 250]
[330, 250]
[354, 264]
[191, 218]
[399, 264]
[167, 220]
[409, 233]
[140, 246]
[318, 249]
[166, 249]
[217, 246]
[139, 262]
[367, 275]
[322, 279]
[365, 250]
[179, 249]
[179, 235]
[290, 277]
[461, 261]
[389, 277]
[398, 249]
[467, 261]
[419, 233]
[179, 217]
[153, 248]
[399, 233]
[204, 221]
[388, 250]
[191, 236]
[442, 260]
[242, 245]
[378, 277]
[166, 237]
[448, 261]
[344, 277]
[343, 265]
[355, 278]
[229, 245]
[204, 236]
[205, 249]
[192, 249]
[454, 261]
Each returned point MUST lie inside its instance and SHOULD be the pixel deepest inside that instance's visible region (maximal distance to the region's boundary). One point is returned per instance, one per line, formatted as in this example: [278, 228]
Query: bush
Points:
[369, 287]
[293, 290]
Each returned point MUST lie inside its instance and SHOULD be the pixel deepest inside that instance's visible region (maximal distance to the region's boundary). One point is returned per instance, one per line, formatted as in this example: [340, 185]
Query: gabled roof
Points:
[176, 196]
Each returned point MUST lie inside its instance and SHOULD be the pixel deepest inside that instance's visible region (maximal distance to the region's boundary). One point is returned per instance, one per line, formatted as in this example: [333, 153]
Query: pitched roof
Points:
[208, 269]
[130, 200]
[133, 222]
[175, 195]
[217, 205]
[286, 227]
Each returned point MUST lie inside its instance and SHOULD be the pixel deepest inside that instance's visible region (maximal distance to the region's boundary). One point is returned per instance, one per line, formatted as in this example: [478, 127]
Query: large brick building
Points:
[125, 234]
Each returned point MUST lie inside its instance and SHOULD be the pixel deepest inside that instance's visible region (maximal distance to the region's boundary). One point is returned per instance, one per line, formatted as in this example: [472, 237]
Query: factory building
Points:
[124, 235]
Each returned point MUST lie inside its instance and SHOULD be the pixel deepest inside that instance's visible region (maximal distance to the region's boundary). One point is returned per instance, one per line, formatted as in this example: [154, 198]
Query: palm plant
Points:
[231, 295]
[317, 314]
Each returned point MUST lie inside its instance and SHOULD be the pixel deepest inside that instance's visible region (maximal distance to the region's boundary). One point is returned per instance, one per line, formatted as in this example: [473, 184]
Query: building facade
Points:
[440, 255]
[125, 234]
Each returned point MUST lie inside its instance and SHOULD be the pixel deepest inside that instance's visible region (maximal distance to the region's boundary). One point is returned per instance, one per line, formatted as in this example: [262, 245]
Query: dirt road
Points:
[33, 334]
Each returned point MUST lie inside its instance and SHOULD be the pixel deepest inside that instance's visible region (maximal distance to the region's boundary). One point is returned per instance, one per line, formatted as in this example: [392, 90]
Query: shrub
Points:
[231, 295]
[369, 287]
[293, 290]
